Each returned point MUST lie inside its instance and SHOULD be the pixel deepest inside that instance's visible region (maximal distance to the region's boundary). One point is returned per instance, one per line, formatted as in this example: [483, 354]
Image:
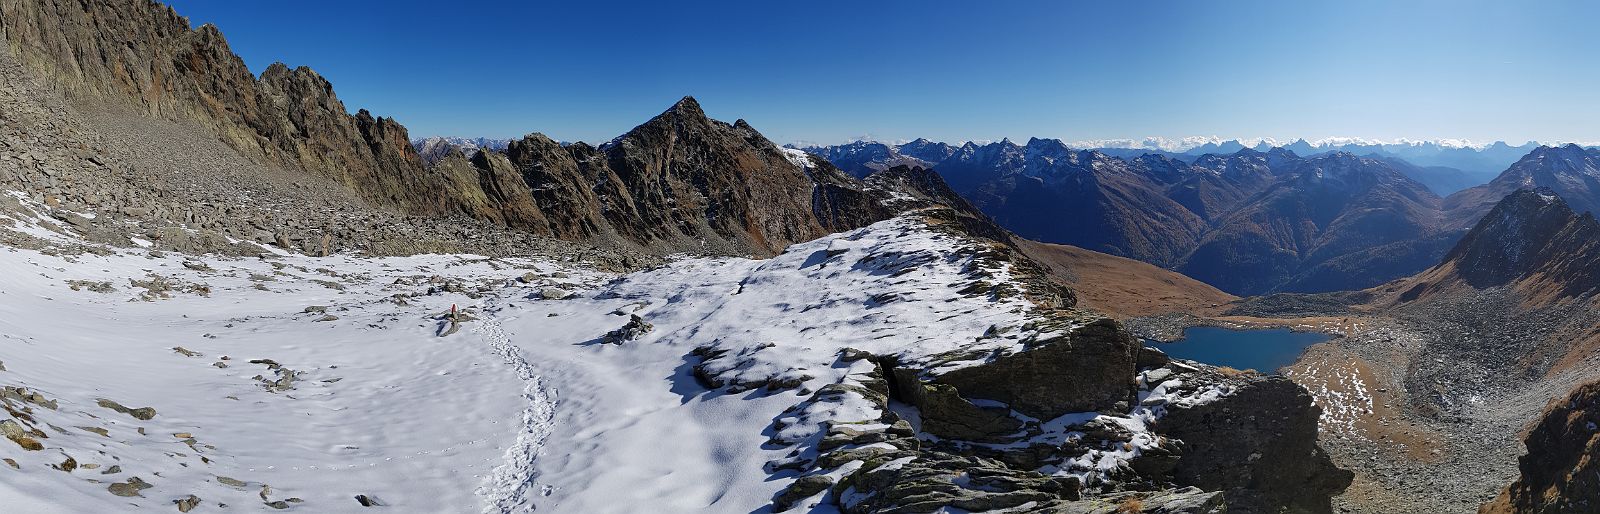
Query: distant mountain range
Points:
[1246, 221]
[1444, 166]
[432, 149]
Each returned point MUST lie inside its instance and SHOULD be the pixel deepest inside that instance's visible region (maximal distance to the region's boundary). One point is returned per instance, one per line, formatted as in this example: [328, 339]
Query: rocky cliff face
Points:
[1559, 473]
[143, 56]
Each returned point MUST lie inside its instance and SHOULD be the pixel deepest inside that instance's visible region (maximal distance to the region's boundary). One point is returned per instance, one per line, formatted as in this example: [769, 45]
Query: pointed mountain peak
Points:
[1516, 238]
[687, 106]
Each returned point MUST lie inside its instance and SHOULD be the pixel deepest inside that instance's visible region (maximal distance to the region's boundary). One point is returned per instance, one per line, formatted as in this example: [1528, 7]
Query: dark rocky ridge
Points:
[678, 183]
[1559, 472]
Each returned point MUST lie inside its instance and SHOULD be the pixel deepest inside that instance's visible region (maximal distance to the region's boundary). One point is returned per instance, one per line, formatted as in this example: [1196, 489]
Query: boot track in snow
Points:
[509, 488]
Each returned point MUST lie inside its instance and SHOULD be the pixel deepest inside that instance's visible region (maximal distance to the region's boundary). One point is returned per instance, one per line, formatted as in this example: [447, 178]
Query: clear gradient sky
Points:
[954, 71]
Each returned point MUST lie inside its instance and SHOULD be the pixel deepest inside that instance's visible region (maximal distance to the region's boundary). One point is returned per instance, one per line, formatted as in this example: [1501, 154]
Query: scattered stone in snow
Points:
[635, 328]
[187, 503]
[143, 413]
[186, 352]
[98, 287]
[367, 501]
[130, 488]
[96, 430]
[551, 293]
[19, 435]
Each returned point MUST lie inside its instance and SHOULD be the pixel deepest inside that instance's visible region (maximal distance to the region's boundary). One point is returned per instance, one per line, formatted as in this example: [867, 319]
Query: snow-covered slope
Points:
[321, 378]
[706, 385]
[523, 404]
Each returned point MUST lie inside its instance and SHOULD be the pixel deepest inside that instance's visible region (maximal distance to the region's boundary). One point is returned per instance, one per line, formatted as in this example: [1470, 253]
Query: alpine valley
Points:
[225, 292]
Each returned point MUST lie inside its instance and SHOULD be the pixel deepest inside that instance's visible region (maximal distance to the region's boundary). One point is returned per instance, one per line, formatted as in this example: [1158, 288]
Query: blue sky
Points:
[831, 71]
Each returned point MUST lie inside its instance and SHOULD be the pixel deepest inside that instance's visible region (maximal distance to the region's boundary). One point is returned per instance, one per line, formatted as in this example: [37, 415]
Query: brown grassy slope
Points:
[1124, 287]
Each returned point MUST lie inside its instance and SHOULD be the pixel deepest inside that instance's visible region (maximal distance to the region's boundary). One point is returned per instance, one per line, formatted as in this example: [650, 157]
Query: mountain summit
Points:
[1571, 172]
[1531, 241]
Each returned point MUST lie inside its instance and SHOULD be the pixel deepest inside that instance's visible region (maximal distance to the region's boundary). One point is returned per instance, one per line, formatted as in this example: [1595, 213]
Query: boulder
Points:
[1089, 368]
[1258, 445]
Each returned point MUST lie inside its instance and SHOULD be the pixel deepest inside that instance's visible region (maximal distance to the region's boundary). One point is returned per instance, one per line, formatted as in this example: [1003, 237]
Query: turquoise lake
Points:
[1263, 350]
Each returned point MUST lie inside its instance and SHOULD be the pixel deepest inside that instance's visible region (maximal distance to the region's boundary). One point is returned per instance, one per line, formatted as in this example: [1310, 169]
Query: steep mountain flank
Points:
[1559, 473]
[1332, 222]
[141, 56]
[1442, 180]
[1571, 172]
[1048, 192]
[1531, 242]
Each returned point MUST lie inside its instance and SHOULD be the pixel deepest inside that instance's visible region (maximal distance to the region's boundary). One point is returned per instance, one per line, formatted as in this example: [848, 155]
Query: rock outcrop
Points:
[1075, 416]
[1559, 472]
[1259, 445]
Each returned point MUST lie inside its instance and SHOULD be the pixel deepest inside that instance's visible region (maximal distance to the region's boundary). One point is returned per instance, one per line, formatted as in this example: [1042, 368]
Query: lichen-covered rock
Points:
[945, 413]
[802, 488]
[17, 434]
